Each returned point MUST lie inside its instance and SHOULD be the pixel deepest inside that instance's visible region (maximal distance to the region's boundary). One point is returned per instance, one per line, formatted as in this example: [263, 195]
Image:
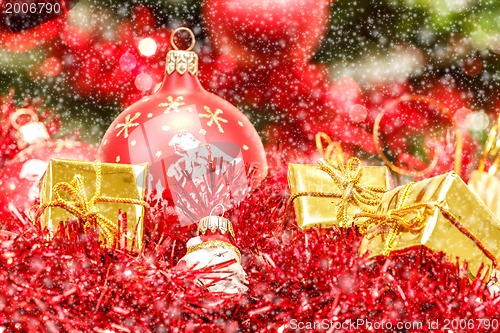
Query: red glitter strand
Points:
[296, 278]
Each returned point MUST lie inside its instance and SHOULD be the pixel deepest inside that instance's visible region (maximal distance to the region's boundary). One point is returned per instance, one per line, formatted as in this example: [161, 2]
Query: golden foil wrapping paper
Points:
[487, 188]
[480, 227]
[313, 211]
[117, 181]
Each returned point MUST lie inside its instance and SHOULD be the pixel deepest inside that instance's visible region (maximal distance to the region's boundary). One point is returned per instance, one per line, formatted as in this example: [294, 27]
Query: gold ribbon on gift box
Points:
[85, 209]
[396, 220]
[346, 177]
[411, 218]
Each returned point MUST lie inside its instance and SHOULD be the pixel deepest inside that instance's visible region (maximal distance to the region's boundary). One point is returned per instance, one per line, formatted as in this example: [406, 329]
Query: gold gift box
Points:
[317, 211]
[117, 181]
[487, 188]
[459, 225]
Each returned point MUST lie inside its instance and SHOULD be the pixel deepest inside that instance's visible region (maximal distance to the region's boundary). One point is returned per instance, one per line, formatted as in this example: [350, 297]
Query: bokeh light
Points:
[128, 62]
[143, 81]
[358, 113]
[51, 67]
[147, 47]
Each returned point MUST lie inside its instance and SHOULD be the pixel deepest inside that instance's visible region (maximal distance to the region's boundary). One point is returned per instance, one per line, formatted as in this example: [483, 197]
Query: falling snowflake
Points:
[127, 124]
[172, 105]
[214, 118]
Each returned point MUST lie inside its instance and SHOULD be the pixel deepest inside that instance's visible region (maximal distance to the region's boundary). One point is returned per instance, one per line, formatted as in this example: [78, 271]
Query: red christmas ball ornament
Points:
[23, 126]
[256, 30]
[195, 142]
[20, 177]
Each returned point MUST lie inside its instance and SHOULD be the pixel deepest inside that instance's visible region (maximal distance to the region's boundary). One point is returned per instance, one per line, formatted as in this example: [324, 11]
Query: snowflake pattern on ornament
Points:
[214, 118]
[129, 123]
[172, 105]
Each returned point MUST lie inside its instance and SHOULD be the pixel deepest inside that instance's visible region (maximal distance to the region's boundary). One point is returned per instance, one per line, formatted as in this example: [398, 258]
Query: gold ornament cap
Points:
[215, 223]
[182, 61]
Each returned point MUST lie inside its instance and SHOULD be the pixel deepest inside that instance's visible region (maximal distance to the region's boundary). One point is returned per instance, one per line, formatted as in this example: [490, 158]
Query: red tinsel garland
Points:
[298, 281]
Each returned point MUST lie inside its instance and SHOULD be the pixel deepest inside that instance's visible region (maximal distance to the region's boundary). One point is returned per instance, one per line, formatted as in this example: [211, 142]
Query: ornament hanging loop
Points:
[28, 132]
[215, 223]
[182, 61]
[445, 111]
[191, 34]
[16, 117]
[215, 207]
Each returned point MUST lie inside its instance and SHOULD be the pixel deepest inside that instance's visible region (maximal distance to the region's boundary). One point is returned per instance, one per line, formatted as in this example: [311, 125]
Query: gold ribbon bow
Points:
[345, 176]
[412, 219]
[395, 221]
[84, 209]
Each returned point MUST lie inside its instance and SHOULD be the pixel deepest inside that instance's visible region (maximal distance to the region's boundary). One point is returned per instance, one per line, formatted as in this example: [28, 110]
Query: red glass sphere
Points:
[20, 177]
[182, 131]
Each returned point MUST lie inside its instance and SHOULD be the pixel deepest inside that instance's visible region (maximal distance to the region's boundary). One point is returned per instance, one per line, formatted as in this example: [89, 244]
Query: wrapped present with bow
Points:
[107, 196]
[440, 213]
[331, 192]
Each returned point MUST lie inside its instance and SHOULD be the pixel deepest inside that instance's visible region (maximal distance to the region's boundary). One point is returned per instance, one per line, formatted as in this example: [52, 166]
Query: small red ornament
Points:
[214, 257]
[20, 176]
[20, 127]
[255, 30]
[185, 134]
